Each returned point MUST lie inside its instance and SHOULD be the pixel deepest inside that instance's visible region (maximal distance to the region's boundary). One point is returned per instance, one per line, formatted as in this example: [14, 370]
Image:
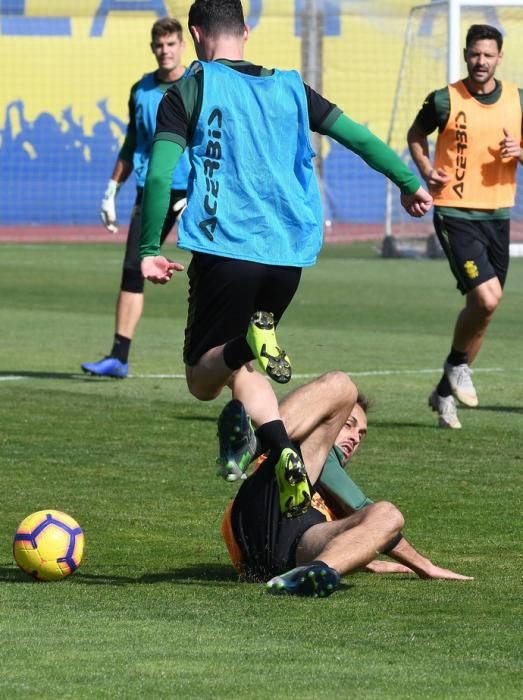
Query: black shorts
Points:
[131, 263]
[476, 250]
[267, 539]
[223, 295]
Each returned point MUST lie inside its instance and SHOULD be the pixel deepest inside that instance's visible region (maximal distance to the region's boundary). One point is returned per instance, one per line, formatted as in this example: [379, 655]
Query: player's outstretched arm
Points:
[360, 140]
[406, 554]
[156, 196]
[158, 269]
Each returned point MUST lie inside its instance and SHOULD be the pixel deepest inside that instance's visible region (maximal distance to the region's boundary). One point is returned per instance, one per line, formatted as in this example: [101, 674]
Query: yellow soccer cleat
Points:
[295, 495]
[261, 337]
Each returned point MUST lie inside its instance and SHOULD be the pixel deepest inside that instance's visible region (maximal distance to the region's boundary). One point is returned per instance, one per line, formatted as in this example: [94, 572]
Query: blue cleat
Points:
[312, 580]
[107, 367]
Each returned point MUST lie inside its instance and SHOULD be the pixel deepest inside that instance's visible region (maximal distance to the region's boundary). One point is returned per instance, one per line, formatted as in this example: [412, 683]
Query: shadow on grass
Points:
[195, 417]
[48, 375]
[500, 409]
[199, 573]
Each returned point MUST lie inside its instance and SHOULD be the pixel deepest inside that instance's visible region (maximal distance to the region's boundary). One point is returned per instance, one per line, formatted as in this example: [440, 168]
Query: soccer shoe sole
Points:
[465, 399]
[275, 363]
[94, 373]
[295, 497]
[314, 583]
[230, 422]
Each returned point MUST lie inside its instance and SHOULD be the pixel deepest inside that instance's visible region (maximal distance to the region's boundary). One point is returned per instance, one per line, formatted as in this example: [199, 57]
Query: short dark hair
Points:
[477, 32]
[217, 17]
[164, 26]
[364, 402]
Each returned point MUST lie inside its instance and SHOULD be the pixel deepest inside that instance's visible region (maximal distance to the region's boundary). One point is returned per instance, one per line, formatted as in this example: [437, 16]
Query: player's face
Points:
[482, 59]
[168, 51]
[350, 436]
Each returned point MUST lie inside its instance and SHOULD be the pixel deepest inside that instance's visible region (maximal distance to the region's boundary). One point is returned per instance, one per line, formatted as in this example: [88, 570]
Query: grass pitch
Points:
[155, 609]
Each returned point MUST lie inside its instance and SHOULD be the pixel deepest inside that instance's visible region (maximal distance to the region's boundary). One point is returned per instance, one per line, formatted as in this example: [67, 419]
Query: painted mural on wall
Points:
[65, 84]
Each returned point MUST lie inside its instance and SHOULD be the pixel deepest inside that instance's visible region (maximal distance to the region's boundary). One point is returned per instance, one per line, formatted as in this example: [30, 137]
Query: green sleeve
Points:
[337, 482]
[374, 152]
[157, 193]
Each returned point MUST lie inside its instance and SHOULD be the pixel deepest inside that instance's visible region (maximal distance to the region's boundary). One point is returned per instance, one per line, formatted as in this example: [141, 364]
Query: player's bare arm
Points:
[406, 554]
[418, 143]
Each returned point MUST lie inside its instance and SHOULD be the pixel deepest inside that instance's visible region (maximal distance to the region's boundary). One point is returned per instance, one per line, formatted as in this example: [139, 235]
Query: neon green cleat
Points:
[295, 496]
[261, 337]
[313, 580]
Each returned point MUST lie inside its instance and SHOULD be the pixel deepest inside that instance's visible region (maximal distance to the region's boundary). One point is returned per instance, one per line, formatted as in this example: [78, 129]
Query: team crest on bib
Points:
[471, 269]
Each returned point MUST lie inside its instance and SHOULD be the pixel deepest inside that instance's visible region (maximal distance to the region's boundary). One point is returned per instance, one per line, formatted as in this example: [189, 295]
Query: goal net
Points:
[425, 67]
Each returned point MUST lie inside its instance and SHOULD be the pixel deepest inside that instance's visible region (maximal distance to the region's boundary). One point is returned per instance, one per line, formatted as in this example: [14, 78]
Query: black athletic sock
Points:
[121, 346]
[273, 436]
[237, 353]
[443, 387]
[457, 358]
[319, 562]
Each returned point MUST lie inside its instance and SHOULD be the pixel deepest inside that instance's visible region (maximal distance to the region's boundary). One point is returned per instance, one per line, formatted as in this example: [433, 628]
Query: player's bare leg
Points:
[129, 309]
[475, 317]
[350, 543]
[314, 415]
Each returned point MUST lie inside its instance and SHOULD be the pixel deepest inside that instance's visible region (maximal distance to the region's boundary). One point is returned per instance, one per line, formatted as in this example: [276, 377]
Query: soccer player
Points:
[253, 217]
[344, 529]
[167, 46]
[473, 182]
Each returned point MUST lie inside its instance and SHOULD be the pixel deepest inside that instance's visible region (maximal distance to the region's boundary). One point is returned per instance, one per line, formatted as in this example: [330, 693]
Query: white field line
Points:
[369, 373]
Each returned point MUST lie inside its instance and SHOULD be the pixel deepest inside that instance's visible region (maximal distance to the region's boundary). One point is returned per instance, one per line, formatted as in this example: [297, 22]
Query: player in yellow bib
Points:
[473, 183]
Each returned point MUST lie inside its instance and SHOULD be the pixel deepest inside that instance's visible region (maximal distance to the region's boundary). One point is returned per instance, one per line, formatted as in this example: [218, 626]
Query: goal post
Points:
[432, 57]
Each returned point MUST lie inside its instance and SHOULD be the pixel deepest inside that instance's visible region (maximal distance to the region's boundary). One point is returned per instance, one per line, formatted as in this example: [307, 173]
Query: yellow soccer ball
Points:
[48, 545]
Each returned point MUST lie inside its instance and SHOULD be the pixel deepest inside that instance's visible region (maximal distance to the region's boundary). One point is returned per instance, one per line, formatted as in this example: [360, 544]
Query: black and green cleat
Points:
[238, 443]
[312, 580]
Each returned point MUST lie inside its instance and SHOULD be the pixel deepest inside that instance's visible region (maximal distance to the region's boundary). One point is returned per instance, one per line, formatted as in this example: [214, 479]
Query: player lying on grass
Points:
[343, 530]
[253, 217]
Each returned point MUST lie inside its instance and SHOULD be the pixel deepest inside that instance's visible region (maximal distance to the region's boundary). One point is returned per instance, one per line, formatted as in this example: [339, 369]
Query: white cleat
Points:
[445, 407]
[460, 381]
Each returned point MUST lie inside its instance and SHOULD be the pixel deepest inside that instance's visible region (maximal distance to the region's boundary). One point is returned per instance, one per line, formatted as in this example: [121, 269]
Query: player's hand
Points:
[108, 207]
[417, 204]
[158, 269]
[437, 179]
[509, 146]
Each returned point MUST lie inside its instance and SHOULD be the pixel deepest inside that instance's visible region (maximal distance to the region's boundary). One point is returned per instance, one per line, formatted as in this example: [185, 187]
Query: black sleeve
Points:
[427, 117]
[172, 117]
[320, 110]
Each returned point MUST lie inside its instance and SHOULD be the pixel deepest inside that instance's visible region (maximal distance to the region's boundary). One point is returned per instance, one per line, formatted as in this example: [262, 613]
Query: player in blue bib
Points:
[252, 222]
[167, 46]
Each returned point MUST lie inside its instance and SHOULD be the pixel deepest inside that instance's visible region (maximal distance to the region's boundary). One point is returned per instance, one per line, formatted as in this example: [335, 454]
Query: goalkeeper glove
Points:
[108, 206]
[179, 207]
